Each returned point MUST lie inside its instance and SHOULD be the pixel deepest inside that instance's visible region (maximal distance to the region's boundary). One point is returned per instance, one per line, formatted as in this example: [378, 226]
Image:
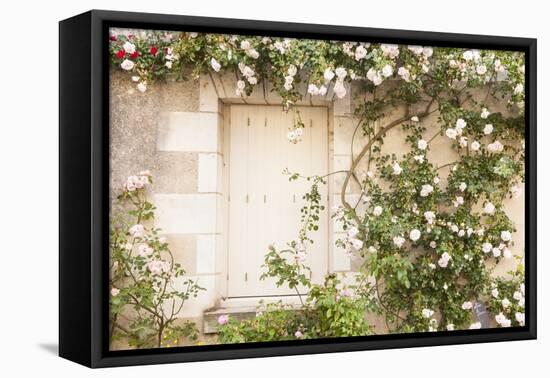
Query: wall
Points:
[178, 131]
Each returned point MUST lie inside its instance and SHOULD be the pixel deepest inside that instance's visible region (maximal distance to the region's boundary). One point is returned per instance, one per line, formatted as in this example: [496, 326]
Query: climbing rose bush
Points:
[148, 289]
[427, 235]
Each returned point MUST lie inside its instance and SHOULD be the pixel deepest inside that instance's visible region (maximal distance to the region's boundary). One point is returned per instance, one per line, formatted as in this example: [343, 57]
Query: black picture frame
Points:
[84, 192]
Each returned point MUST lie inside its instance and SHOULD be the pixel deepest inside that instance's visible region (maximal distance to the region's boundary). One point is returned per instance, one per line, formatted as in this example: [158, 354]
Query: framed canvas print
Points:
[233, 188]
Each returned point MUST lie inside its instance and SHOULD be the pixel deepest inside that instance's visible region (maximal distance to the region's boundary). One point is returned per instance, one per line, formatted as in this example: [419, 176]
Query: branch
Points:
[366, 149]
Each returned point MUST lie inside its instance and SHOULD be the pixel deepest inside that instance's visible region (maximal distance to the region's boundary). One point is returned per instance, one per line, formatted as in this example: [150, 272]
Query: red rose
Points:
[112, 37]
[120, 54]
[130, 36]
[134, 55]
[154, 51]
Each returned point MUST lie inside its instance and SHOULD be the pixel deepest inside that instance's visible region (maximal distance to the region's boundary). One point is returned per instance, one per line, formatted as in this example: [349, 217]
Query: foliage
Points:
[507, 299]
[330, 310]
[147, 288]
[426, 234]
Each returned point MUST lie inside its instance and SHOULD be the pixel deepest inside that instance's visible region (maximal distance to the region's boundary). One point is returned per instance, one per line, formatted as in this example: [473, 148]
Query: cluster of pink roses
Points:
[137, 181]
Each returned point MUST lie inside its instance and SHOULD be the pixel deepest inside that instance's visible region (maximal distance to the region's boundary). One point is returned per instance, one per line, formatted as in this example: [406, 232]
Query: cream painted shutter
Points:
[264, 207]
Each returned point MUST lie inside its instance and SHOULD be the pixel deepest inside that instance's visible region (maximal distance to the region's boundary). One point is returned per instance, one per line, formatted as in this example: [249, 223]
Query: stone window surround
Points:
[217, 93]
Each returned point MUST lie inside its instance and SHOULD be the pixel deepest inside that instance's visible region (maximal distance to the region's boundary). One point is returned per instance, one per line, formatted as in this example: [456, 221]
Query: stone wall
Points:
[177, 131]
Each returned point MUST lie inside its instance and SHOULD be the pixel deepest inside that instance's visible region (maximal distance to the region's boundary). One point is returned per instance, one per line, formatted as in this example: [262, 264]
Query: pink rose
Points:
[223, 319]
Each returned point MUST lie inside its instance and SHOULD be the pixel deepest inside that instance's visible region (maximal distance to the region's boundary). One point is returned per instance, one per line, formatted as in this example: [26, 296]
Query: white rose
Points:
[427, 313]
[245, 45]
[312, 90]
[485, 113]
[467, 305]
[451, 133]
[494, 293]
[127, 65]
[292, 70]
[137, 231]
[398, 241]
[415, 119]
[377, 211]
[353, 232]
[415, 235]
[426, 190]
[390, 50]
[397, 168]
[135, 79]
[341, 72]
[216, 66]
[468, 55]
[404, 73]
[481, 69]
[328, 75]
[488, 129]
[115, 291]
[459, 200]
[518, 89]
[357, 244]
[500, 318]
[489, 208]
[322, 90]
[520, 318]
[505, 303]
[496, 252]
[144, 250]
[462, 186]
[476, 325]
[495, 147]
[475, 145]
[427, 52]
[291, 136]
[444, 260]
[417, 50]
[430, 216]
[460, 123]
[340, 89]
[253, 53]
[486, 247]
[360, 52]
[422, 144]
[387, 70]
[129, 47]
[141, 87]
[506, 236]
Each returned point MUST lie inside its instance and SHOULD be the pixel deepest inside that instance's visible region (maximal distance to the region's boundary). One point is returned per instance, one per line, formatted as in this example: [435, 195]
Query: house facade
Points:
[217, 161]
